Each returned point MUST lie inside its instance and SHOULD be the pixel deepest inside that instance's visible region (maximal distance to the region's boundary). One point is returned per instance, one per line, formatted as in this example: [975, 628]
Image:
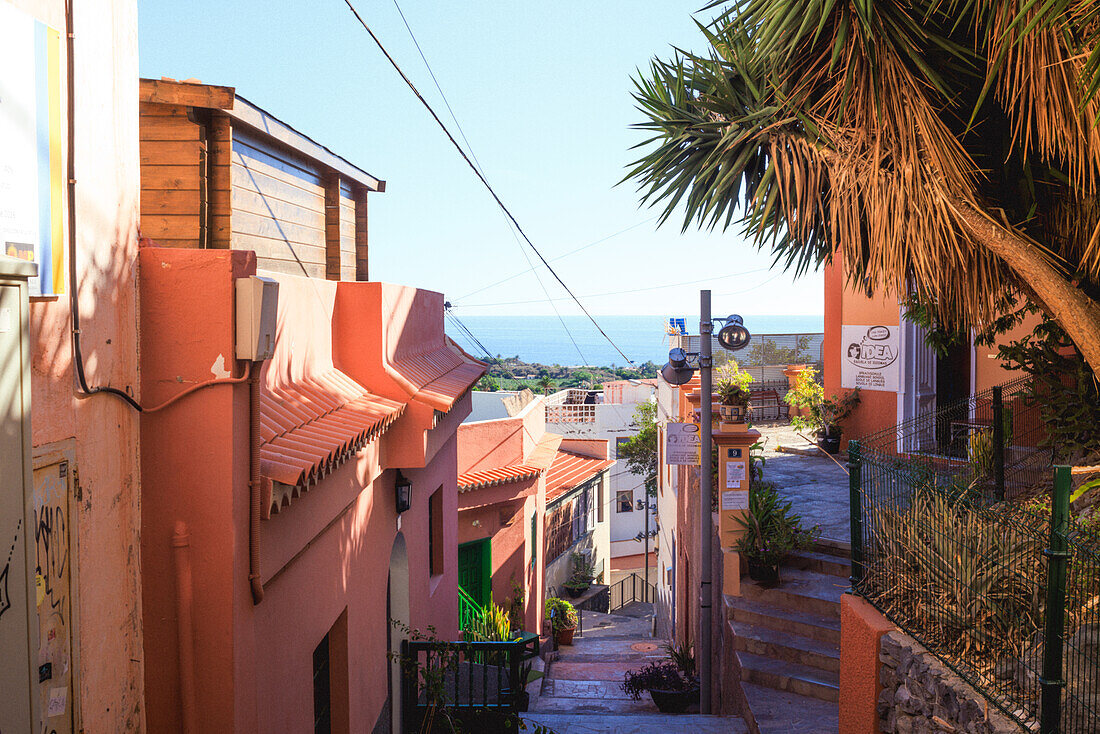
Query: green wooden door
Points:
[475, 570]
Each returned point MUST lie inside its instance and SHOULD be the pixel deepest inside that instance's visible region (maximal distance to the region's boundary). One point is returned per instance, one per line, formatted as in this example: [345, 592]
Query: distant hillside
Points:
[512, 373]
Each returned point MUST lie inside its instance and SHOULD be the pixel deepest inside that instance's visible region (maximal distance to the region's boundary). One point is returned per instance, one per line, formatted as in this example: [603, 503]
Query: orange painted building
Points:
[502, 509]
[917, 379]
[527, 500]
[274, 549]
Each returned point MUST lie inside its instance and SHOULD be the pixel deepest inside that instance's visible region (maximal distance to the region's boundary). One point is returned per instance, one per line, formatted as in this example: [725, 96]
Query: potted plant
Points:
[583, 573]
[733, 391]
[563, 620]
[772, 531]
[671, 683]
[823, 415]
[523, 696]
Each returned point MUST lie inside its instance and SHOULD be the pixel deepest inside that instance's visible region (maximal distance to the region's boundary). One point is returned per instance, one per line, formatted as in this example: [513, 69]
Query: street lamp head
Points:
[676, 371]
[734, 336]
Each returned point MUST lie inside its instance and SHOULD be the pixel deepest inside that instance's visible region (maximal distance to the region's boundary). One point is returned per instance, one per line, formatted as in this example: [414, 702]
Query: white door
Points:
[918, 381]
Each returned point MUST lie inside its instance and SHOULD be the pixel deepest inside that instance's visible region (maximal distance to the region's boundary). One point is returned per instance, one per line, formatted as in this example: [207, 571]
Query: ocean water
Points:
[542, 339]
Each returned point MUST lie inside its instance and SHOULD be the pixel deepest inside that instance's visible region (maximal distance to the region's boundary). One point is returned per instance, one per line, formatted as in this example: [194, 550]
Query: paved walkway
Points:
[582, 691]
[815, 484]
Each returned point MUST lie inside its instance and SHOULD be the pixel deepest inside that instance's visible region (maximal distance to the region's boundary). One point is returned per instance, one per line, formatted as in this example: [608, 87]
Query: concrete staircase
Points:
[787, 642]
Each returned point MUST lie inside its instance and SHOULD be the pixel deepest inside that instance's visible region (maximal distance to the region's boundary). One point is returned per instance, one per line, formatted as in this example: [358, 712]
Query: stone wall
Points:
[921, 695]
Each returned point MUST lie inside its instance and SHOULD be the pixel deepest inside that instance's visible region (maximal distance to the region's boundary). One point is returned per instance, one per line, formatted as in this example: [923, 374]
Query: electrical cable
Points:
[480, 170]
[559, 257]
[474, 168]
[638, 290]
[74, 296]
[465, 330]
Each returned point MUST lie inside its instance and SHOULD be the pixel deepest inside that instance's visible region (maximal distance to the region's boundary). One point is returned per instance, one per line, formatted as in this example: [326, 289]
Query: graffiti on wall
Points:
[53, 596]
[5, 597]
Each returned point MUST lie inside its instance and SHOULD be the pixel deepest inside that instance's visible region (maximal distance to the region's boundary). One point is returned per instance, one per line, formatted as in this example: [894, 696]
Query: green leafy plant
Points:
[772, 529]
[640, 450]
[494, 624]
[662, 676]
[562, 614]
[683, 654]
[824, 414]
[733, 385]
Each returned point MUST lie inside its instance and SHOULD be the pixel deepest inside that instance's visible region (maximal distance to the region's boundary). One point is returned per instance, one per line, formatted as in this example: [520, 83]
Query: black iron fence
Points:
[625, 591]
[992, 444]
[469, 682]
[1007, 593]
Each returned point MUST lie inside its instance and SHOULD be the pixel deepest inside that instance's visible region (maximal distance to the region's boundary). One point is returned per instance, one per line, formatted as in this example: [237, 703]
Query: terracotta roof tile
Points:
[442, 375]
[310, 427]
[571, 470]
[496, 476]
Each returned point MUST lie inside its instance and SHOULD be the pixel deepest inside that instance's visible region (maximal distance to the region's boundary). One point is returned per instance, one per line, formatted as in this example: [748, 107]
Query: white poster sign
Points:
[869, 358]
[735, 500]
[682, 444]
[735, 474]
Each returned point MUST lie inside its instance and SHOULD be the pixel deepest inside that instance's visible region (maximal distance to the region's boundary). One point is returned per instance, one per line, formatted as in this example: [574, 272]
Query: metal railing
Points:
[628, 590]
[468, 610]
[991, 444]
[1005, 593]
[473, 682]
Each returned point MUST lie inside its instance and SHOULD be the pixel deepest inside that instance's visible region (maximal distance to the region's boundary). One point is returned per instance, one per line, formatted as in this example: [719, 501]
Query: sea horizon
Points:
[543, 340]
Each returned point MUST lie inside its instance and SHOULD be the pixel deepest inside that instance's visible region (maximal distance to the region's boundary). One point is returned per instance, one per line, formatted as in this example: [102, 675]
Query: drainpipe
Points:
[254, 578]
[181, 551]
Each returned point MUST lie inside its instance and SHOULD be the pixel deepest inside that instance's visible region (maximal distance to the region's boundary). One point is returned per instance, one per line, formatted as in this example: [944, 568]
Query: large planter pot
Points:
[564, 636]
[575, 591]
[674, 702]
[765, 574]
[733, 413]
[830, 444]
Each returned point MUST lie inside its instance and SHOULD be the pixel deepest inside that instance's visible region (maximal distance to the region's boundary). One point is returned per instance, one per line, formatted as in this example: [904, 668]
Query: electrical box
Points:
[257, 309]
[18, 614]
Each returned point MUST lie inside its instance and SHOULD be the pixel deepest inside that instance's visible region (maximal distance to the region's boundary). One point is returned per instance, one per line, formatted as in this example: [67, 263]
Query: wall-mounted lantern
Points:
[402, 488]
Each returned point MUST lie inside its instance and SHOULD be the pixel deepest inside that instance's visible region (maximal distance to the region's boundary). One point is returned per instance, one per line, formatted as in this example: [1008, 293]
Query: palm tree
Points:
[943, 148]
[546, 384]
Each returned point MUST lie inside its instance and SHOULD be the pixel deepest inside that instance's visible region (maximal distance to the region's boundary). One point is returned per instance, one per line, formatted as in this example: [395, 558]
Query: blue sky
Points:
[542, 92]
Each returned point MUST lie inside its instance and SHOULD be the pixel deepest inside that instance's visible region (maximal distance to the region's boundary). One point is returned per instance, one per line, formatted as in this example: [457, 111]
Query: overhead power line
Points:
[637, 290]
[559, 257]
[477, 164]
[465, 331]
[477, 172]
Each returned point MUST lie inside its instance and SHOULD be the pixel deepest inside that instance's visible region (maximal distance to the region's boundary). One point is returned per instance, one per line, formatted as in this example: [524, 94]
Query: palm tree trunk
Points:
[1074, 311]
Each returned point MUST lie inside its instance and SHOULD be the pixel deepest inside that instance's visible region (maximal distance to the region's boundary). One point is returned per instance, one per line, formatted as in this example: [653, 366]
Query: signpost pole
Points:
[706, 328]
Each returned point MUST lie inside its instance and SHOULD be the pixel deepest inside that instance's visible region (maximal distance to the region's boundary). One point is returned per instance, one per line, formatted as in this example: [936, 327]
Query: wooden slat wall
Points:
[173, 158]
[361, 269]
[278, 210]
[347, 235]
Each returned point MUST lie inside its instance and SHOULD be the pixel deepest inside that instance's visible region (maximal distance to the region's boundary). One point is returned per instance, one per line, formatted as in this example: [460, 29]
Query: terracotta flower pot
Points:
[564, 636]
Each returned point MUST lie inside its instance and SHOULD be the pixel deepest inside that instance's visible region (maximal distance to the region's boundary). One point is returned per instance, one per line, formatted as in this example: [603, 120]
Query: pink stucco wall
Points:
[504, 512]
[325, 554]
[100, 431]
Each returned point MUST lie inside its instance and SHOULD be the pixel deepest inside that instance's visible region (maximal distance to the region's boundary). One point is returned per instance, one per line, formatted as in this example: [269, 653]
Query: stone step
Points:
[803, 591]
[779, 712]
[791, 677]
[824, 628]
[648, 723]
[838, 548]
[823, 563]
[786, 646]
